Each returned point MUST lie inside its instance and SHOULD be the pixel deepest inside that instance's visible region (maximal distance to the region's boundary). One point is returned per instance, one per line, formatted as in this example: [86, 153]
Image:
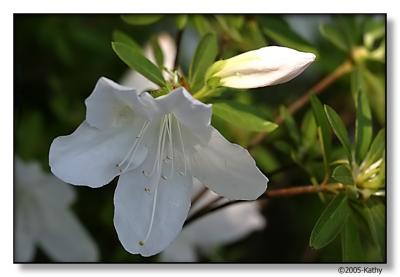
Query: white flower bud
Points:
[262, 67]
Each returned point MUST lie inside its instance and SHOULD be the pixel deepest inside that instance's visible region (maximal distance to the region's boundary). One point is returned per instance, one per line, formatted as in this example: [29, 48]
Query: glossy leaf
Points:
[242, 116]
[280, 31]
[202, 25]
[335, 36]
[291, 126]
[375, 152]
[203, 58]
[136, 19]
[255, 37]
[330, 223]
[181, 21]
[324, 129]
[119, 36]
[308, 129]
[363, 126]
[343, 175]
[375, 85]
[158, 53]
[375, 213]
[352, 250]
[340, 130]
[138, 62]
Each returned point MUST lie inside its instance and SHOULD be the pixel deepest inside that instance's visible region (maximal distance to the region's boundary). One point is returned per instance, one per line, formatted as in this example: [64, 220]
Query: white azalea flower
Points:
[266, 66]
[156, 146]
[43, 218]
[218, 228]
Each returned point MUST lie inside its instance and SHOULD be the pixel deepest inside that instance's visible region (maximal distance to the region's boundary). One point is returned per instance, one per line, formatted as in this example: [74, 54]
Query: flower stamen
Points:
[132, 150]
[183, 148]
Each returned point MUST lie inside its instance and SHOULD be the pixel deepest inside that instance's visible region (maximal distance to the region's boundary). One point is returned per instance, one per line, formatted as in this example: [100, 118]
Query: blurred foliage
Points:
[338, 137]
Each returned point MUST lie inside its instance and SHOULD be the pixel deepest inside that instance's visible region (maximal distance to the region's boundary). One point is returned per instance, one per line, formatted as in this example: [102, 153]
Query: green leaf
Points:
[141, 19]
[352, 250]
[376, 150]
[242, 116]
[335, 36]
[280, 31]
[343, 175]
[254, 36]
[363, 134]
[231, 25]
[375, 85]
[340, 130]
[308, 129]
[158, 53]
[203, 58]
[291, 126]
[181, 21]
[330, 223]
[357, 82]
[138, 62]
[324, 129]
[375, 213]
[202, 25]
[119, 36]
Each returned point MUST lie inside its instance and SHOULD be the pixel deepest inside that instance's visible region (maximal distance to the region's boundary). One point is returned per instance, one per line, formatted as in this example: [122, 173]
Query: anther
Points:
[146, 189]
[141, 243]
[165, 178]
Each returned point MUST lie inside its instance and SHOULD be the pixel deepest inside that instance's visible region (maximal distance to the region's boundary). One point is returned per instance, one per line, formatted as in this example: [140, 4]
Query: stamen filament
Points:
[157, 166]
[134, 145]
[171, 147]
[183, 146]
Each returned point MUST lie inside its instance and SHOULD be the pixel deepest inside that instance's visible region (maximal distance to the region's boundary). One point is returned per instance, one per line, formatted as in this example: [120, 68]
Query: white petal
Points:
[113, 105]
[28, 175]
[90, 156]
[180, 251]
[225, 226]
[65, 240]
[263, 67]
[228, 169]
[133, 200]
[190, 112]
[26, 229]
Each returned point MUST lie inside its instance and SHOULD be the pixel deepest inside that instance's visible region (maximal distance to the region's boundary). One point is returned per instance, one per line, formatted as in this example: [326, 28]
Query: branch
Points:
[178, 41]
[342, 70]
[286, 192]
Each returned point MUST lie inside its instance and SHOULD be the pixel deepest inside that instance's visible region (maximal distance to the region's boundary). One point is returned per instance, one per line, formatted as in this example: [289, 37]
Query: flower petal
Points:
[134, 199]
[26, 230]
[113, 105]
[227, 169]
[226, 225]
[64, 239]
[190, 112]
[263, 67]
[90, 156]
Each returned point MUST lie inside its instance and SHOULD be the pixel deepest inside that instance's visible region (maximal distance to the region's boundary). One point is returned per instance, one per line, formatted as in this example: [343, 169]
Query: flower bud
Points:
[262, 67]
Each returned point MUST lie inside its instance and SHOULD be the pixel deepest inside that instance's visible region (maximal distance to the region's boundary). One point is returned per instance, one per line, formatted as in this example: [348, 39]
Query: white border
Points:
[7, 8]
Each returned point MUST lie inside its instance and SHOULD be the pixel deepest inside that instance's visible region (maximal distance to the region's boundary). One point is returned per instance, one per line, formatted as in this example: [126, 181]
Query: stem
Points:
[202, 92]
[340, 71]
[178, 41]
[286, 192]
